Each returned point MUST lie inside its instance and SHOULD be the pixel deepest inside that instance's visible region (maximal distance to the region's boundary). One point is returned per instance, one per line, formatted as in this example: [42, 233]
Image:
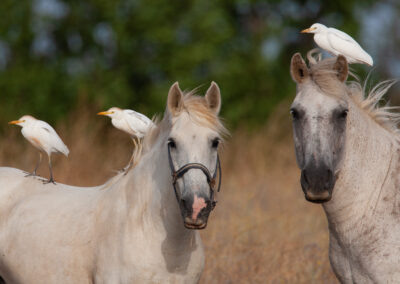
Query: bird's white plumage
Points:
[131, 122]
[40, 134]
[337, 42]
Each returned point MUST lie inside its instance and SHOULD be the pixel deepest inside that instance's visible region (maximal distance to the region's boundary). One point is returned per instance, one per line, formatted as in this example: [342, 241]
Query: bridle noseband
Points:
[211, 179]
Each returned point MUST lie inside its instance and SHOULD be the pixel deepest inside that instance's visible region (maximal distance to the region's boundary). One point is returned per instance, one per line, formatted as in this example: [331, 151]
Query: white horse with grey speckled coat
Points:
[347, 148]
[129, 230]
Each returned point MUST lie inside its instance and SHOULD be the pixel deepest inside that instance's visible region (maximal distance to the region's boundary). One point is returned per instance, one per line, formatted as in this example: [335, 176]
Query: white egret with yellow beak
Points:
[131, 122]
[337, 42]
[41, 135]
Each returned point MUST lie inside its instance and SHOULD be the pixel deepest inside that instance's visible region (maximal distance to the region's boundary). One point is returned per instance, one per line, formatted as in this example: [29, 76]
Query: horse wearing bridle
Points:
[130, 229]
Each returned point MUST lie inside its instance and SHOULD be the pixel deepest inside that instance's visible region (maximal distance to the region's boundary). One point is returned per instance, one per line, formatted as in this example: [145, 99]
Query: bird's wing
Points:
[344, 44]
[137, 122]
[341, 35]
[49, 136]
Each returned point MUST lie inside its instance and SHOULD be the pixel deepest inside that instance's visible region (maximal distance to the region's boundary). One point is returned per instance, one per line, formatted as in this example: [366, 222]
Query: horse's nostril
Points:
[328, 180]
[305, 177]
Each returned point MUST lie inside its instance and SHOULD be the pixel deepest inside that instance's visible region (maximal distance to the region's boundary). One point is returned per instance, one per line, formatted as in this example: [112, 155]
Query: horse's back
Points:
[47, 223]
[19, 193]
[17, 190]
[12, 178]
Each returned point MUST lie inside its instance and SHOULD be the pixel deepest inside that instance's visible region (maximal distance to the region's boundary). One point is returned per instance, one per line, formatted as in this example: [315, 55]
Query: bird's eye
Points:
[294, 113]
[215, 143]
[171, 143]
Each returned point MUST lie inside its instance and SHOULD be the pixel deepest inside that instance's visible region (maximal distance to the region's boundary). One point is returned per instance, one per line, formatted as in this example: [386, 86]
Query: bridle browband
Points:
[211, 179]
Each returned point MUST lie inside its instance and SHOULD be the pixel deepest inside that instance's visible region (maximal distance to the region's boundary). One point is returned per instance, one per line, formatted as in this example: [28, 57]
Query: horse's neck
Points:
[367, 176]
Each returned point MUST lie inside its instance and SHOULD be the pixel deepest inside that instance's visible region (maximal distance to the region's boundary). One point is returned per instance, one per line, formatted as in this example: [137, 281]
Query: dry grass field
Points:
[262, 230]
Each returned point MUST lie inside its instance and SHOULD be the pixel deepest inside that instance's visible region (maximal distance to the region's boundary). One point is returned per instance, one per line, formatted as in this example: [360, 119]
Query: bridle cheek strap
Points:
[211, 179]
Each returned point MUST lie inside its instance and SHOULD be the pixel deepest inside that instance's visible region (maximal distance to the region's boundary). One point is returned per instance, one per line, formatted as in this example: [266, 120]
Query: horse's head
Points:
[192, 144]
[319, 114]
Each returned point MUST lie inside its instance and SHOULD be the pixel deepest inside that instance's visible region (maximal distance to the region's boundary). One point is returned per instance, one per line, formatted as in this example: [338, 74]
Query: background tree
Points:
[127, 53]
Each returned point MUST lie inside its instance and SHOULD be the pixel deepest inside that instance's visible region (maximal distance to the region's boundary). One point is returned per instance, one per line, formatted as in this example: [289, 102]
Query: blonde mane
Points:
[197, 108]
[323, 75]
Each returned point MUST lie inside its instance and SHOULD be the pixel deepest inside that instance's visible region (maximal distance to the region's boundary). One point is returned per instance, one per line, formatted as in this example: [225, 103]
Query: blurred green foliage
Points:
[127, 53]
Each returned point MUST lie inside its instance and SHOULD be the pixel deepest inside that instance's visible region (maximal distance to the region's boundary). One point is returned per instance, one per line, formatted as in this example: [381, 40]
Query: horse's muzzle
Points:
[317, 183]
[195, 211]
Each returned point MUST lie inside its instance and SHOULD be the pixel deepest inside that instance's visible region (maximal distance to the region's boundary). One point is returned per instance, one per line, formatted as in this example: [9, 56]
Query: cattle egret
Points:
[131, 122]
[41, 135]
[337, 42]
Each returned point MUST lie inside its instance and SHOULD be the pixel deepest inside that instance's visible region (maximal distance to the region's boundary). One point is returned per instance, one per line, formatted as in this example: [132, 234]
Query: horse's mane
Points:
[197, 108]
[323, 75]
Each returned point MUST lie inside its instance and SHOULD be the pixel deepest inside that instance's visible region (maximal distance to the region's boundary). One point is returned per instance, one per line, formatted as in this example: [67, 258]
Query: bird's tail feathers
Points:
[64, 150]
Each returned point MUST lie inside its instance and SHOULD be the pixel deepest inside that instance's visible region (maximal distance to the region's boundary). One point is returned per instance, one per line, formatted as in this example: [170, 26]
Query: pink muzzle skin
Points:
[198, 204]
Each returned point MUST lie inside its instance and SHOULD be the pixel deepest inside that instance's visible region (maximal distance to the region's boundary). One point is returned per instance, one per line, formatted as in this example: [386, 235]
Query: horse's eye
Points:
[215, 143]
[295, 114]
[171, 143]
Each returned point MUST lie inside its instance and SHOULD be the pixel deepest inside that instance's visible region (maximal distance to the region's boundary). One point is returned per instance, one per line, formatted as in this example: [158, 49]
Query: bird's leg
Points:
[38, 163]
[133, 157]
[139, 152]
[37, 166]
[134, 154]
[51, 179]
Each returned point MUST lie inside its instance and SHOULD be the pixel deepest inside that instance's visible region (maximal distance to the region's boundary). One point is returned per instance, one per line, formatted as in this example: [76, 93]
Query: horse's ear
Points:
[175, 99]
[341, 67]
[213, 97]
[298, 69]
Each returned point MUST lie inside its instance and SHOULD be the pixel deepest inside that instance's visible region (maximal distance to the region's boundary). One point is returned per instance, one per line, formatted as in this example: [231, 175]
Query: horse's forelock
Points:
[197, 108]
[325, 77]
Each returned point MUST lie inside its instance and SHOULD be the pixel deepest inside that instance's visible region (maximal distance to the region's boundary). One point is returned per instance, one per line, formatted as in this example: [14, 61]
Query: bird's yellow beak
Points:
[307, 30]
[104, 113]
[15, 122]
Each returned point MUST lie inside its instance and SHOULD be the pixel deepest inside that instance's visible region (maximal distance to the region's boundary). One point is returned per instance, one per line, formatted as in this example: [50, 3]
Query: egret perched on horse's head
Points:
[337, 42]
[41, 135]
[133, 123]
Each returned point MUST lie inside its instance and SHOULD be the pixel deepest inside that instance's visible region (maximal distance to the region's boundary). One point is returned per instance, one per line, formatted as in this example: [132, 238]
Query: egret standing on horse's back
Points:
[41, 135]
[138, 228]
[131, 122]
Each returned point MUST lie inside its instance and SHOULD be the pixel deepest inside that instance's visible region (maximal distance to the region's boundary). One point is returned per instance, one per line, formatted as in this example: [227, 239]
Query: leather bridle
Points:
[211, 179]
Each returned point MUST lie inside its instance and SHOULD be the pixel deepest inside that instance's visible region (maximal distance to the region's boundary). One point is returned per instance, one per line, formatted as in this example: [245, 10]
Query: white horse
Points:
[129, 230]
[347, 148]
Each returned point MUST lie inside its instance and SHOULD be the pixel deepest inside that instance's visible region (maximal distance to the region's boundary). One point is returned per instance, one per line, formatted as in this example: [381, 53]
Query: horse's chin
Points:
[194, 224]
[318, 199]
[195, 227]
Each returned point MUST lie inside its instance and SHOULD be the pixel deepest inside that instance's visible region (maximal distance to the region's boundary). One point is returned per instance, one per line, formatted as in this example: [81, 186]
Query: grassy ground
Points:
[262, 230]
